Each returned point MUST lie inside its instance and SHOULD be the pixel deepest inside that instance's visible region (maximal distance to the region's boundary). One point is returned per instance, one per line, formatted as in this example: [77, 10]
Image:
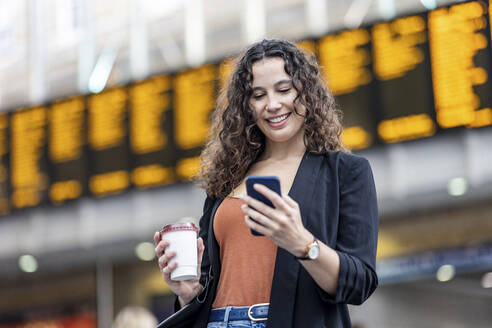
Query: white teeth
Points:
[278, 119]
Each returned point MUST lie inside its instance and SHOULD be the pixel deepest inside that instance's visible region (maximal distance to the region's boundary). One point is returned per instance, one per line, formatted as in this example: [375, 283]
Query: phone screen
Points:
[271, 182]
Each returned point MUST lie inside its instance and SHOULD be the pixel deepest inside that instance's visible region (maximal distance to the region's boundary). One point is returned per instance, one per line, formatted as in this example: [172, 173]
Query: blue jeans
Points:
[226, 323]
[237, 324]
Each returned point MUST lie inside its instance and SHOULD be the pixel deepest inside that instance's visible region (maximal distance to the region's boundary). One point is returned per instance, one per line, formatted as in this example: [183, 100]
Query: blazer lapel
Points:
[286, 272]
[213, 246]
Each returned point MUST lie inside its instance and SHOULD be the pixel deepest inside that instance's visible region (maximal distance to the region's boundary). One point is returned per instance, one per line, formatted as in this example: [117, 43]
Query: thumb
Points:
[157, 238]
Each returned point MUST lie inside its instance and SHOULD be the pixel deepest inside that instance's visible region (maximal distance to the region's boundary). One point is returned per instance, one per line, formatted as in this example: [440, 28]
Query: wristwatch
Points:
[312, 251]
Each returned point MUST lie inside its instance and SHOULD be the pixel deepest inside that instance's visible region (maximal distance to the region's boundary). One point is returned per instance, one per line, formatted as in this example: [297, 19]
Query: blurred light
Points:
[387, 8]
[317, 15]
[28, 263]
[445, 273]
[457, 187]
[355, 14]
[487, 280]
[255, 18]
[194, 32]
[145, 251]
[102, 69]
[429, 4]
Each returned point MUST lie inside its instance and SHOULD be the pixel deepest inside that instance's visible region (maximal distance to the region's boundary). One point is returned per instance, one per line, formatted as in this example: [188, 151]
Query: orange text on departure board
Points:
[4, 203]
[455, 39]
[395, 49]
[28, 140]
[148, 101]
[194, 100]
[152, 175]
[66, 126]
[107, 114]
[355, 137]
[63, 190]
[109, 183]
[345, 61]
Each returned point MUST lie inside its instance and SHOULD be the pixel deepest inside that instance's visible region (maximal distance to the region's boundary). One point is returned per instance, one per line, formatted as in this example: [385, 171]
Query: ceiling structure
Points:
[49, 49]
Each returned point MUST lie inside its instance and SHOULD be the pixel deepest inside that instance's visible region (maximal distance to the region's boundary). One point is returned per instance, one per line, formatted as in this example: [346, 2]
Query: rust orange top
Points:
[247, 261]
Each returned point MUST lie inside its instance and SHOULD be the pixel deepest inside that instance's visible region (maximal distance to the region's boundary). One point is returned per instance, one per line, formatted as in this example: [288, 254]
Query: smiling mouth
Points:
[278, 119]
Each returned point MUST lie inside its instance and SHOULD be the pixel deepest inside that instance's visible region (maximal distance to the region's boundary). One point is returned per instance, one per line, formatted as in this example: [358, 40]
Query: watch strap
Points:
[306, 252]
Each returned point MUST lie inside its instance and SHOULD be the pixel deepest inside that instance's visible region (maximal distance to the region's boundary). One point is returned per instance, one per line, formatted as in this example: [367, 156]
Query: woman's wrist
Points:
[305, 239]
[187, 300]
[183, 302]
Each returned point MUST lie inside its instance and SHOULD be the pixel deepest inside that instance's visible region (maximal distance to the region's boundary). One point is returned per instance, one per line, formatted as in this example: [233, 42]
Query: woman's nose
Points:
[273, 104]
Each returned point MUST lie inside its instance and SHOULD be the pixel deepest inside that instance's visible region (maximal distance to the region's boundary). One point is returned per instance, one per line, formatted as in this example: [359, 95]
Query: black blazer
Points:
[337, 198]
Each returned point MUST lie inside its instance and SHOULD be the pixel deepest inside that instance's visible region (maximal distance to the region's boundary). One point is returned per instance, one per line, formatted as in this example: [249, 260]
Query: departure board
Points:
[394, 81]
[460, 54]
[108, 142]
[28, 163]
[402, 68]
[226, 68]
[4, 165]
[67, 150]
[194, 101]
[151, 132]
[346, 60]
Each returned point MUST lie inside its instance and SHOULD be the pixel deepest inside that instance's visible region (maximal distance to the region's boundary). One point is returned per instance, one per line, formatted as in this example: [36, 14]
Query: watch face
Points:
[313, 252]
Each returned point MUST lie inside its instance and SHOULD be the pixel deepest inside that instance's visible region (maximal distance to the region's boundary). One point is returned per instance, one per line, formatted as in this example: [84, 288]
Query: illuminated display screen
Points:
[402, 68]
[346, 61]
[67, 149]
[460, 54]
[151, 132]
[108, 142]
[194, 101]
[4, 165]
[394, 81]
[28, 164]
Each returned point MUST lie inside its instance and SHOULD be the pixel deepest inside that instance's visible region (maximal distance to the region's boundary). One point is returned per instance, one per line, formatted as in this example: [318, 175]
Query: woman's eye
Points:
[284, 90]
[257, 96]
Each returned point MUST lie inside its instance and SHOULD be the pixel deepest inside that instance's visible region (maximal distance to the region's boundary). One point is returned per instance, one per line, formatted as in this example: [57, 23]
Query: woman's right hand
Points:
[186, 290]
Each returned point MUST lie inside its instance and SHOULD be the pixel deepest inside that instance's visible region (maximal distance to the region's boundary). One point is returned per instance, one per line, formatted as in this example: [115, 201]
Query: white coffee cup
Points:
[182, 239]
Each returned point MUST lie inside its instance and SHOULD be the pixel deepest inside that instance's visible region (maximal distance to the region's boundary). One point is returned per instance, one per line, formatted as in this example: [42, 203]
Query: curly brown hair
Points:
[235, 141]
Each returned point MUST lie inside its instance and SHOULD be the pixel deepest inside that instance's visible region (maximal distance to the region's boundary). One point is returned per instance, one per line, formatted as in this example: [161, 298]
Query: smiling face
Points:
[273, 102]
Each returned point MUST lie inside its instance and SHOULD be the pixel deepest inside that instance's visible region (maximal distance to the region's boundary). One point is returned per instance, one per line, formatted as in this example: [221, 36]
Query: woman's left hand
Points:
[282, 224]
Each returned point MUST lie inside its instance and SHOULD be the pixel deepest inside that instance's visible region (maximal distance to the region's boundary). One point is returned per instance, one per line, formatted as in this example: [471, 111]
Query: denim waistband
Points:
[256, 312]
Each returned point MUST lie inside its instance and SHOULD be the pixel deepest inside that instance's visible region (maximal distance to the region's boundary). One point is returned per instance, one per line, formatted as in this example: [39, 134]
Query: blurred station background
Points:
[105, 105]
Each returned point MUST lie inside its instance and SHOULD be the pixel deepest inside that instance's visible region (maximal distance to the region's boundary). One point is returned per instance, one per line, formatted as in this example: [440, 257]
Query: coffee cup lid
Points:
[179, 227]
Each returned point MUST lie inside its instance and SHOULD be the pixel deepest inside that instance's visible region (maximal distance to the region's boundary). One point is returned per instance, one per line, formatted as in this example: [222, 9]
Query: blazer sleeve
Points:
[357, 235]
[203, 233]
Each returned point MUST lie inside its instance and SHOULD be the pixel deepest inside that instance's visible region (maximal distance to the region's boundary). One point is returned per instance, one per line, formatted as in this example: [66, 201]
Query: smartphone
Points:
[271, 182]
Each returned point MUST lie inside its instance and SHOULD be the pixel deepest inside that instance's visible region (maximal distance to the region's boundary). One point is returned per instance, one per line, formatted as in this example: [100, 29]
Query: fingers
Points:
[292, 203]
[165, 259]
[157, 238]
[276, 199]
[271, 195]
[166, 271]
[256, 226]
[258, 206]
[161, 247]
[259, 218]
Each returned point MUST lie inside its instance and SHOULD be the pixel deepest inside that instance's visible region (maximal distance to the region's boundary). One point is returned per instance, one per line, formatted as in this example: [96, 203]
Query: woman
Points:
[318, 251]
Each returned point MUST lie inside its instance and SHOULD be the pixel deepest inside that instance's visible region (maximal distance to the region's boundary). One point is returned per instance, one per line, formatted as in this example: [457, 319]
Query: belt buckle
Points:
[250, 316]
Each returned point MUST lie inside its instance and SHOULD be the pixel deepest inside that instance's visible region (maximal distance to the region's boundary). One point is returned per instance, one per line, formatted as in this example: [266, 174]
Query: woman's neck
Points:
[281, 151]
